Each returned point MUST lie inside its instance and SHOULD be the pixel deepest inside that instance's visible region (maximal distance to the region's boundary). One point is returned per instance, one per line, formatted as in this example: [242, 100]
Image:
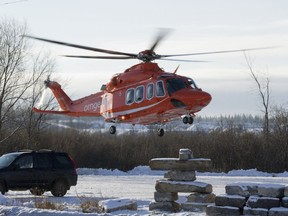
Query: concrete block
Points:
[242, 189]
[286, 191]
[222, 210]
[271, 190]
[201, 198]
[255, 211]
[263, 202]
[179, 186]
[180, 175]
[112, 205]
[194, 206]
[278, 211]
[230, 200]
[165, 206]
[165, 197]
[185, 154]
[198, 164]
[284, 202]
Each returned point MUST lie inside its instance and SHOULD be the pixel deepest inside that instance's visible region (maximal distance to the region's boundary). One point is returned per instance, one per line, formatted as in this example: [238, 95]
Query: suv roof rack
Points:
[45, 150]
[25, 150]
[40, 150]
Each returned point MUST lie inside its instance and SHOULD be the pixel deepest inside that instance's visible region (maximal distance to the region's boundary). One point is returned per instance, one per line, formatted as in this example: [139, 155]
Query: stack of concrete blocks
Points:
[180, 178]
[251, 199]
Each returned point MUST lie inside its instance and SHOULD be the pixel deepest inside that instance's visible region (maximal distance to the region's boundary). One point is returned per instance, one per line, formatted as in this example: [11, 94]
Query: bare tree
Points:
[280, 134]
[17, 79]
[42, 67]
[263, 87]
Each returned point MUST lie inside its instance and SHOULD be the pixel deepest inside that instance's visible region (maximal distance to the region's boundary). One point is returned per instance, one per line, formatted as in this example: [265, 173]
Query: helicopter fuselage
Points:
[143, 94]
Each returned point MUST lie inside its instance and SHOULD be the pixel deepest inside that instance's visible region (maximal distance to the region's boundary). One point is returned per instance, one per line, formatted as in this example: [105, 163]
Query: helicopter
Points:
[142, 94]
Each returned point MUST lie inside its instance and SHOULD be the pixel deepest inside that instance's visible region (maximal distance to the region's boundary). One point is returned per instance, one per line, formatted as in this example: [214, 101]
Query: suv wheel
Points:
[37, 191]
[2, 188]
[59, 188]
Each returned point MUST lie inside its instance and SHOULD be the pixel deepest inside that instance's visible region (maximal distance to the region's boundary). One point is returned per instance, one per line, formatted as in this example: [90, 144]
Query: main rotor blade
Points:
[216, 52]
[160, 36]
[181, 60]
[100, 57]
[82, 47]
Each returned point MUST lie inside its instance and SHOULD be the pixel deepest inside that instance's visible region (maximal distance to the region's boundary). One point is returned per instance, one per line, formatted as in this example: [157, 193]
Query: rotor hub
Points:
[147, 56]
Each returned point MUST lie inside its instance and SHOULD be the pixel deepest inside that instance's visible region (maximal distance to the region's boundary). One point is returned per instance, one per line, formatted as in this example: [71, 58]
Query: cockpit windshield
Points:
[192, 83]
[175, 84]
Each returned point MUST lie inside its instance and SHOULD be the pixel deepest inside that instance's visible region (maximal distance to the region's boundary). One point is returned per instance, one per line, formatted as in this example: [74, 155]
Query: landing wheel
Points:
[160, 132]
[185, 120]
[190, 120]
[112, 129]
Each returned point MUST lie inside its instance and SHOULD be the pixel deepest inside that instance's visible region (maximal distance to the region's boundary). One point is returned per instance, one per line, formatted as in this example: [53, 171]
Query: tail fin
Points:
[64, 101]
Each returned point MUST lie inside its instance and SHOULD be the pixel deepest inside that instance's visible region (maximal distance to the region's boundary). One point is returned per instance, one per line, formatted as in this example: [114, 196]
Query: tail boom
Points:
[87, 106]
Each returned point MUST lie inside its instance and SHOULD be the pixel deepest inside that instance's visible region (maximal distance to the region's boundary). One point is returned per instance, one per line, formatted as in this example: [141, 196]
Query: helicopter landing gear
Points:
[188, 120]
[160, 132]
[112, 129]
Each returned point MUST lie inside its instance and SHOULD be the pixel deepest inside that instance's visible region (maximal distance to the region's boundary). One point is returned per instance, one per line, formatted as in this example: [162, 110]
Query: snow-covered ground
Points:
[137, 185]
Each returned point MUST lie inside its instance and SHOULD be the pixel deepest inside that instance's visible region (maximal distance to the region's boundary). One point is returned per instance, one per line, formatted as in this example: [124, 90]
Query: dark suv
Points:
[37, 171]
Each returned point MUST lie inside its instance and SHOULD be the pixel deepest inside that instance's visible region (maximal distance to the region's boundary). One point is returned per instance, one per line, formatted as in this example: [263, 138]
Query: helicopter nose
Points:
[191, 99]
[204, 99]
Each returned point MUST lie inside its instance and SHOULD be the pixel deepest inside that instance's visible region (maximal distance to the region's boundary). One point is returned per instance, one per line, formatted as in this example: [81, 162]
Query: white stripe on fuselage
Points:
[130, 111]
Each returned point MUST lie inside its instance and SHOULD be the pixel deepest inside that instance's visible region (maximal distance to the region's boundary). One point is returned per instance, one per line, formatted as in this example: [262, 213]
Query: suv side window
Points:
[24, 162]
[42, 161]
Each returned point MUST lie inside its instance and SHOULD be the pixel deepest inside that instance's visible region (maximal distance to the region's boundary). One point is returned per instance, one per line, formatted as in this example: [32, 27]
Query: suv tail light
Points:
[74, 164]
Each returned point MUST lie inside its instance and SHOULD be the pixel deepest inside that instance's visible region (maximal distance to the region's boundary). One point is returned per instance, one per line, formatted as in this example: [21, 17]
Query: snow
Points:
[114, 185]
[145, 170]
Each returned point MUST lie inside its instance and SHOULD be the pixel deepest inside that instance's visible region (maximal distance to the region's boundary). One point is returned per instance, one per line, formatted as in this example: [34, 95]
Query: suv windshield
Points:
[175, 84]
[6, 160]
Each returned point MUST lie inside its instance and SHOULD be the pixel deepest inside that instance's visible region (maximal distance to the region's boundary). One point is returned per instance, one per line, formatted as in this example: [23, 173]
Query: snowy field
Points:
[138, 185]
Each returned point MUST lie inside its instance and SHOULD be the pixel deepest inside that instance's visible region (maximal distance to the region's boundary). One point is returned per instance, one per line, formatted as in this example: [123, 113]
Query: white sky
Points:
[197, 26]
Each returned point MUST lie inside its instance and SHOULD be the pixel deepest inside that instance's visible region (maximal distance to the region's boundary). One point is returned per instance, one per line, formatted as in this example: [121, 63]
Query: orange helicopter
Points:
[142, 94]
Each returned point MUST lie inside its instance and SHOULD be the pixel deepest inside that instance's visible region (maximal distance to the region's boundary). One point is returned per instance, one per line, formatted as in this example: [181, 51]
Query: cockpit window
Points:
[160, 92]
[175, 84]
[192, 83]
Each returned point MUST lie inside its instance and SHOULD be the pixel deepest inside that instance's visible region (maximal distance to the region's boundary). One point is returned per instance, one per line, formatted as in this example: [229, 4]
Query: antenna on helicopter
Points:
[176, 69]
[47, 81]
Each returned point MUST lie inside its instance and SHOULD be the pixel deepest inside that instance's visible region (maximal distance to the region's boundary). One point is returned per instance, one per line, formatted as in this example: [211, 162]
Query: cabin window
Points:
[150, 91]
[139, 94]
[160, 89]
[130, 96]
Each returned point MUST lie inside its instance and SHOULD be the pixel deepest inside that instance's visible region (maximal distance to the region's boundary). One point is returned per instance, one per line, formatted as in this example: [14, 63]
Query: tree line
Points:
[229, 148]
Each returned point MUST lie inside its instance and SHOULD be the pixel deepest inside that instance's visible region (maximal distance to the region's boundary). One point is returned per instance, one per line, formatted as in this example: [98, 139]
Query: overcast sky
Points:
[197, 26]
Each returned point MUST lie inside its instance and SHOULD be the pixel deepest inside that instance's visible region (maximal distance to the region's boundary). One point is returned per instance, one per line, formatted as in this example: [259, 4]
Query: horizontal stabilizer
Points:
[49, 111]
